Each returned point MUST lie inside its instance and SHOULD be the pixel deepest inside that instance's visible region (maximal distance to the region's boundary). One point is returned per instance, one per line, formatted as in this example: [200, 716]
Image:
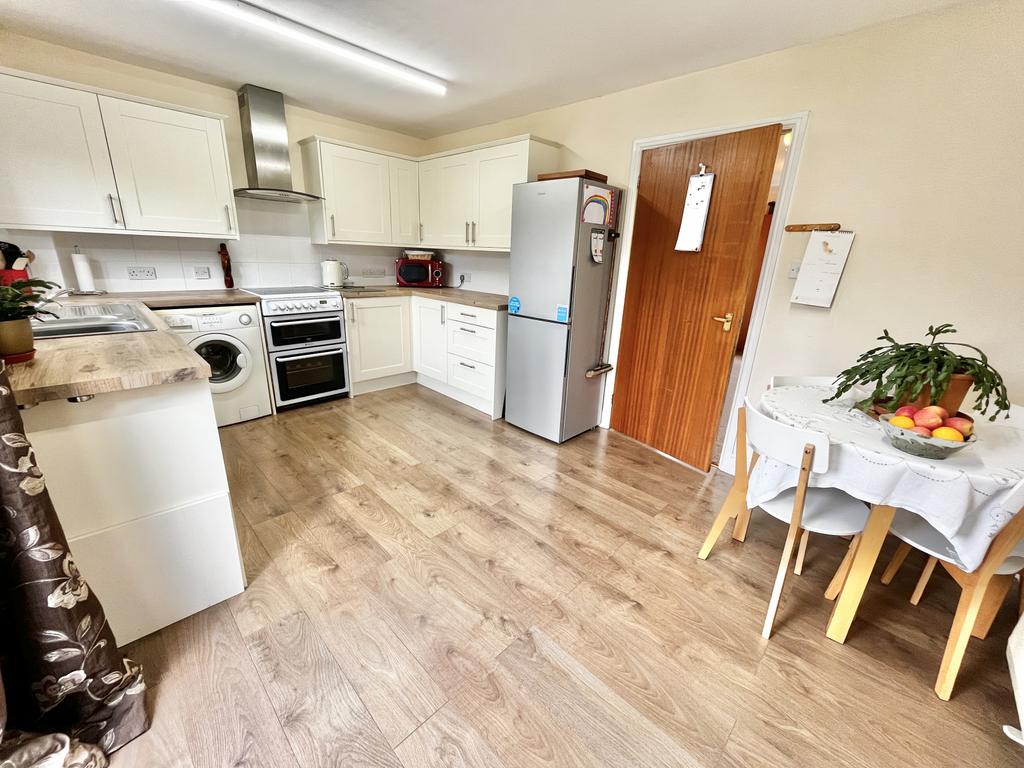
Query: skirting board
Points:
[465, 398]
[156, 570]
[385, 382]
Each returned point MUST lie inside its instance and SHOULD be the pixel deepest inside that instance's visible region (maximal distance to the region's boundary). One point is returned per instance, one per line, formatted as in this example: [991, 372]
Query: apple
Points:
[937, 409]
[922, 431]
[962, 425]
[929, 417]
[906, 410]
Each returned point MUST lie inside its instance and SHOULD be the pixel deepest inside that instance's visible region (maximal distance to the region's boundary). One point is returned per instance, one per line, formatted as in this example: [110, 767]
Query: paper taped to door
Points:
[695, 212]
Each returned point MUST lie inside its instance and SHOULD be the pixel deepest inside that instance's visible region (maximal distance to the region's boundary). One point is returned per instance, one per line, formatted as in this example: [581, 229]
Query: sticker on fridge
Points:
[562, 313]
[598, 205]
[514, 305]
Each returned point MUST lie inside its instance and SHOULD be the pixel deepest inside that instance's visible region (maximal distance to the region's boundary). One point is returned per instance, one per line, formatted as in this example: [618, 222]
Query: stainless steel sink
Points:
[91, 320]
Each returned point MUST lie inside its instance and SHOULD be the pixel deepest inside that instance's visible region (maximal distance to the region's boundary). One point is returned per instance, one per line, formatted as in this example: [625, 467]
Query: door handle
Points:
[421, 231]
[467, 233]
[333, 232]
[442, 314]
[113, 208]
[474, 233]
[725, 321]
[227, 212]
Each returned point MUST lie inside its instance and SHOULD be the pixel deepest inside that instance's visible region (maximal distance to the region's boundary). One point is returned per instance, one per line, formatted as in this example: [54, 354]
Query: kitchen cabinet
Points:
[429, 338]
[378, 331]
[405, 201]
[56, 168]
[447, 200]
[81, 161]
[497, 169]
[171, 169]
[356, 195]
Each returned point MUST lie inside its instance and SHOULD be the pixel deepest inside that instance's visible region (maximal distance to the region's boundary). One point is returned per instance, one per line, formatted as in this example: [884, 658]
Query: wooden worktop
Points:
[93, 365]
[494, 301]
[175, 299]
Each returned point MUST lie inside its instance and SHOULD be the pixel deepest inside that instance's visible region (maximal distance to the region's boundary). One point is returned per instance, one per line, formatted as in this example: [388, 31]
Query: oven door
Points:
[309, 375]
[298, 331]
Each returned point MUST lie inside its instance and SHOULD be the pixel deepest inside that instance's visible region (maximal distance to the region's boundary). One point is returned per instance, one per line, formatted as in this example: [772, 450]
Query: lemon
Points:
[904, 422]
[948, 433]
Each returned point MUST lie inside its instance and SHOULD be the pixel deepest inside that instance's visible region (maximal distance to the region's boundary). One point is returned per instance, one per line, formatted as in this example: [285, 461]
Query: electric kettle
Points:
[333, 273]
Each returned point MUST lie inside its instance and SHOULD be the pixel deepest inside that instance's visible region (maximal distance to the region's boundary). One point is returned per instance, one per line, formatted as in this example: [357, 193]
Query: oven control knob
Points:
[273, 307]
[289, 306]
[308, 305]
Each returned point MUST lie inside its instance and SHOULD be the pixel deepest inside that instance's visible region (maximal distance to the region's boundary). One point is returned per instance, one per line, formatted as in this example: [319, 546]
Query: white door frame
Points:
[798, 123]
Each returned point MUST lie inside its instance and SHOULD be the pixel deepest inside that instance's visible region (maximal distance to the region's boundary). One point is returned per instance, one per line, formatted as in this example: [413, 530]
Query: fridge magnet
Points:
[513, 305]
[562, 313]
[597, 204]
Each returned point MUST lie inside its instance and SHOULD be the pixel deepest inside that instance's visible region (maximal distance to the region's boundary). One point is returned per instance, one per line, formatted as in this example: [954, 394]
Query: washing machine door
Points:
[230, 360]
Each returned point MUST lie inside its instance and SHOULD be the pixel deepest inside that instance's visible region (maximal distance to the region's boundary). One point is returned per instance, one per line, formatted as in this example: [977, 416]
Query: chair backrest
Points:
[809, 381]
[775, 440]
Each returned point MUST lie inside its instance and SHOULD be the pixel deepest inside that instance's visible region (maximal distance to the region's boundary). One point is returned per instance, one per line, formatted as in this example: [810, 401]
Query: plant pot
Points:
[16, 342]
[959, 385]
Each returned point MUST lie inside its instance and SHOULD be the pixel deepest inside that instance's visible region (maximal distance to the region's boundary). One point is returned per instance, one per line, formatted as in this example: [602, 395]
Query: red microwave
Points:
[423, 273]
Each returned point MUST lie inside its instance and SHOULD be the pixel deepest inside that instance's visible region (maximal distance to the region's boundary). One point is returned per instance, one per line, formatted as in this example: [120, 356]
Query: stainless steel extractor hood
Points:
[265, 143]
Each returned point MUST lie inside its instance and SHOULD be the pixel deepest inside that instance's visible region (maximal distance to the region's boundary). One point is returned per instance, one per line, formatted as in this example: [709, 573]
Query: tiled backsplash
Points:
[274, 249]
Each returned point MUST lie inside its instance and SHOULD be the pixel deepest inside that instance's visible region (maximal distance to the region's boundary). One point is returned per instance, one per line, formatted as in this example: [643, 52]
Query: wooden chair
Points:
[984, 589]
[1015, 657]
[818, 510]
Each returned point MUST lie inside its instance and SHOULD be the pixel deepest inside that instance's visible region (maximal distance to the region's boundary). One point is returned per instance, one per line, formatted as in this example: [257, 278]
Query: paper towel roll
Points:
[83, 272]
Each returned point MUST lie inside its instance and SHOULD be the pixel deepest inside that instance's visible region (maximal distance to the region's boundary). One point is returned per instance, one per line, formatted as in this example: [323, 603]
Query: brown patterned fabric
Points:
[61, 671]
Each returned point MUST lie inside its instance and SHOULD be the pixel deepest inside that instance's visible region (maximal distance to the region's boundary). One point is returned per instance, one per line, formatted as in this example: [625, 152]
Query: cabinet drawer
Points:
[488, 318]
[471, 377]
[471, 341]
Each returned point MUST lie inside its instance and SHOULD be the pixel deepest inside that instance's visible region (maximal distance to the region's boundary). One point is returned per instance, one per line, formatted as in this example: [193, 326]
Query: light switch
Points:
[794, 270]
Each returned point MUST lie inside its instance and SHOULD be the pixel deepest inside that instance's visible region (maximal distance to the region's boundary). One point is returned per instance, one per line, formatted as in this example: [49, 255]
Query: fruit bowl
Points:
[919, 445]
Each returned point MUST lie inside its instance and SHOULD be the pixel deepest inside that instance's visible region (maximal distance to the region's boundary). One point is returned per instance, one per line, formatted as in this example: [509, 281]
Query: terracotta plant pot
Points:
[959, 385]
[16, 342]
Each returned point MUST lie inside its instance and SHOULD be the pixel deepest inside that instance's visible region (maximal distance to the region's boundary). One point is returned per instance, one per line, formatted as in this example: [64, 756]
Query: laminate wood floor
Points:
[428, 588]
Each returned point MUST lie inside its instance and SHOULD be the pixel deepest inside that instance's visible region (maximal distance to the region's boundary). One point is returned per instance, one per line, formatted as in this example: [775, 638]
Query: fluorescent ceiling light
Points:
[292, 30]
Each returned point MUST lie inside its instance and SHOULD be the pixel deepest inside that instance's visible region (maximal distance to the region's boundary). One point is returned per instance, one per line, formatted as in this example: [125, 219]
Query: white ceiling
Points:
[502, 58]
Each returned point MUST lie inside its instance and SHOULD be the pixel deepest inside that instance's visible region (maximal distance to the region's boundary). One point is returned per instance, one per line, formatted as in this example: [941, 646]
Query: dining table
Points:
[971, 497]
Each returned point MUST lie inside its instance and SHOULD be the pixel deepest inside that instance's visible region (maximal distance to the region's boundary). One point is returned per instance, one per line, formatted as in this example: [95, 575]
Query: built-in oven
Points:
[289, 332]
[301, 375]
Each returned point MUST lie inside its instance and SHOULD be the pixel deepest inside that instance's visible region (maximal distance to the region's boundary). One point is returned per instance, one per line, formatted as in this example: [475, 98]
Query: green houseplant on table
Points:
[19, 303]
[926, 373]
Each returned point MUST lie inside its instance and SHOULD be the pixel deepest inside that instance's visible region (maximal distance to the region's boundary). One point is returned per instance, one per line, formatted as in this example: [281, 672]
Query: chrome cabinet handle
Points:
[333, 231]
[474, 233]
[467, 233]
[353, 314]
[227, 212]
[113, 208]
[467, 330]
[442, 314]
[421, 231]
[467, 365]
[725, 321]
[466, 314]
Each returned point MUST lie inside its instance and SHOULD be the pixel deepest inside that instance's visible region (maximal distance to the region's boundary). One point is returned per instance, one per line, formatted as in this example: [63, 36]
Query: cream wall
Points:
[915, 141]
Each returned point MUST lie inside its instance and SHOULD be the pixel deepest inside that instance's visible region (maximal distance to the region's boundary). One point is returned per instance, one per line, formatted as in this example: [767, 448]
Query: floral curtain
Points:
[67, 695]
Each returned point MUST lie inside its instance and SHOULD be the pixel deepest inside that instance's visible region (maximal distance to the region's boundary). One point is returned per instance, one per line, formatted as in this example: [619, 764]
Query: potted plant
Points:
[19, 303]
[931, 373]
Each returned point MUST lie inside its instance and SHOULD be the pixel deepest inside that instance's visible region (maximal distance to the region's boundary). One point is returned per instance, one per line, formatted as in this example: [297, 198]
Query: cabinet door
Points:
[498, 168]
[380, 345]
[405, 201]
[429, 340]
[358, 205]
[447, 195]
[171, 168]
[53, 158]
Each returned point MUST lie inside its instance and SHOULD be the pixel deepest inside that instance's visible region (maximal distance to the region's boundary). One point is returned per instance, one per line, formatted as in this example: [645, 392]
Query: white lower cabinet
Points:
[379, 334]
[429, 338]
[476, 379]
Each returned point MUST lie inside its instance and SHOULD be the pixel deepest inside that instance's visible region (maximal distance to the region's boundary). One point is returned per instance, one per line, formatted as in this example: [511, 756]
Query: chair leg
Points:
[780, 580]
[1020, 595]
[896, 563]
[839, 579]
[922, 582]
[739, 531]
[731, 508]
[959, 635]
[801, 552]
[992, 602]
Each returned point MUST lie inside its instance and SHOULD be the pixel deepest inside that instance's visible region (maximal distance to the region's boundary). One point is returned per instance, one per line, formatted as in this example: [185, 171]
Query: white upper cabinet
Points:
[405, 201]
[447, 194]
[357, 199]
[497, 169]
[171, 168]
[53, 159]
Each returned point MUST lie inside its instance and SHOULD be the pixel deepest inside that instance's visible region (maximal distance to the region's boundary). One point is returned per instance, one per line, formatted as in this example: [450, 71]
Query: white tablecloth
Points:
[968, 497]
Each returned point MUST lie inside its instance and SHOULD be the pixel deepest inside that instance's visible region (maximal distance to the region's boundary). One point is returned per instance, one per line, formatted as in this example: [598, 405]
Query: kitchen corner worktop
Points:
[91, 365]
[175, 299]
[494, 301]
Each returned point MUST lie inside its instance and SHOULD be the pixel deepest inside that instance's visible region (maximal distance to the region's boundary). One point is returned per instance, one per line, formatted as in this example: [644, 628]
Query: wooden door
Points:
[357, 196]
[171, 168]
[429, 338]
[53, 159]
[674, 357]
[498, 168]
[405, 201]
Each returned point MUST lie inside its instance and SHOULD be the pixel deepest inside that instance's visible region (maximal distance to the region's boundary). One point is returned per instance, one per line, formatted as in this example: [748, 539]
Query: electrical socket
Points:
[142, 273]
[374, 272]
[201, 273]
[466, 277]
[794, 270]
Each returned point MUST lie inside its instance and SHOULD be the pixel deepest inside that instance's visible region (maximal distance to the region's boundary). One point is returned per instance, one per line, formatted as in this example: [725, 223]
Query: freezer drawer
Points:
[471, 341]
[535, 376]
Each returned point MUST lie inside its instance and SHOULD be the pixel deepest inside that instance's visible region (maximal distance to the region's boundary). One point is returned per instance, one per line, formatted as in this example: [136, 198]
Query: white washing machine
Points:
[230, 339]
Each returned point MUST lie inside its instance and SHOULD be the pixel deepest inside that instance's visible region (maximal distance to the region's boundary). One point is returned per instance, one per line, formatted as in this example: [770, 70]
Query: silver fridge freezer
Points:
[563, 234]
